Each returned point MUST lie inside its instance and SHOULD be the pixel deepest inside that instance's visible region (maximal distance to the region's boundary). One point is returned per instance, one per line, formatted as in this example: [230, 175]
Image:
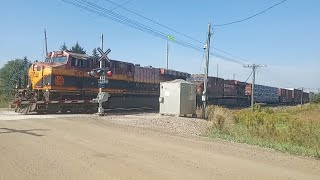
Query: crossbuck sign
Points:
[104, 54]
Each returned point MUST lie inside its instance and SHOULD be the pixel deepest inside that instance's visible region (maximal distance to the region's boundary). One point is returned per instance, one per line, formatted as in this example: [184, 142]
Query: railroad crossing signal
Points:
[104, 54]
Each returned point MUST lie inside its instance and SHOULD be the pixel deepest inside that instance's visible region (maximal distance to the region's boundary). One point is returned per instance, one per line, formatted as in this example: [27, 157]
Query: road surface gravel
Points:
[131, 147]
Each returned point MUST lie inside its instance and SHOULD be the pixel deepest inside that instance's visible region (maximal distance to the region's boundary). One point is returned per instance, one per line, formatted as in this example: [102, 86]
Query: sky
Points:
[286, 38]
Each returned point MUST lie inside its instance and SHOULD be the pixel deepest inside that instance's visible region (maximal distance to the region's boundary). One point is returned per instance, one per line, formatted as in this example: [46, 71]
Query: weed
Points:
[3, 102]
[277, 128]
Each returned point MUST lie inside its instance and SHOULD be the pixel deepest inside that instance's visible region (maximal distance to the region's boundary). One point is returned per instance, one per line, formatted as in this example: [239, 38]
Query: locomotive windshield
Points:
[57, 60]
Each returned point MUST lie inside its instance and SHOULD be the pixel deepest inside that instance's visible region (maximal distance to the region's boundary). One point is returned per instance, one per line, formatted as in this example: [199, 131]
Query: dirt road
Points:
[89, 147]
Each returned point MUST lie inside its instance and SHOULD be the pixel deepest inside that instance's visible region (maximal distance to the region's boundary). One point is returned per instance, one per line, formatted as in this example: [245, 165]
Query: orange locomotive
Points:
[61, 83]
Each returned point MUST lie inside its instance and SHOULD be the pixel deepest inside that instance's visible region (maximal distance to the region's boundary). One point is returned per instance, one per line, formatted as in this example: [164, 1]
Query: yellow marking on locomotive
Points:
[37, 73]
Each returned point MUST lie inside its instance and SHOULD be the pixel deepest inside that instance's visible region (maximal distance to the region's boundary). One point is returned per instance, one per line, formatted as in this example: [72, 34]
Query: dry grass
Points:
[292, 129]
[3, 103]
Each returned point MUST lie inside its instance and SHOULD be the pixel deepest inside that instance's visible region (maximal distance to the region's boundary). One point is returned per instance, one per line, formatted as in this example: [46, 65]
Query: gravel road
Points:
[141, 146]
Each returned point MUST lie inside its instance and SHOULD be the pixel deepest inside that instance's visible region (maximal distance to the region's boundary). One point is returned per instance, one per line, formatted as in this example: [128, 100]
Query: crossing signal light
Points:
[100, 72]
[109, 73]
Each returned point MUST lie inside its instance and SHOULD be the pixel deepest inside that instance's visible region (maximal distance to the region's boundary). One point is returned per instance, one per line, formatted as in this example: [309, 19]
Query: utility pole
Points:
[102, 77]
[254, 68]
[101, 62]
[301, 103]
[205, 92]
[167, 54]
[45, 41]
[217, 70]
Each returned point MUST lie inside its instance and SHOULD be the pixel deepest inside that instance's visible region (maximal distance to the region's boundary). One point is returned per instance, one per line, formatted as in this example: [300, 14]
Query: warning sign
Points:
[59, 80]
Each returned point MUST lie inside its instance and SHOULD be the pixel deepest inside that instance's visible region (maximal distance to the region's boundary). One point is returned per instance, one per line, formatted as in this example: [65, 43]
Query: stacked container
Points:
[263, 94]
[306, 97]
[285, 96]
[234, 89]
[146, 75]
[215, 85]
[229, 88]
[297, 94]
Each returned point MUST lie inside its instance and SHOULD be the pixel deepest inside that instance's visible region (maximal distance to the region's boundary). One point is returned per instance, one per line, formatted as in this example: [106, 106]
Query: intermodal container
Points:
[264, 94]
[297, 94]
[234, 89]
[215, 85]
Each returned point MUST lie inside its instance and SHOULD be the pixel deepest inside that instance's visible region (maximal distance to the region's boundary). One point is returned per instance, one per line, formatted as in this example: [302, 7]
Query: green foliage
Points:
[3, 102]
[315, 98]
[95, 53]
[63, 47]
[275, 128]
[14, 72]
[78, 49]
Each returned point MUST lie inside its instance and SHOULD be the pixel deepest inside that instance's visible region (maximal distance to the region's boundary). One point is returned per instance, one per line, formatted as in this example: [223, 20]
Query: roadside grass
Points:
[284, 129]
[3, 103]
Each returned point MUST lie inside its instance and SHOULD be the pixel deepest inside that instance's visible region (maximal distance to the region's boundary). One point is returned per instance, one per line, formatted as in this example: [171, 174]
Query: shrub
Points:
[269, 127]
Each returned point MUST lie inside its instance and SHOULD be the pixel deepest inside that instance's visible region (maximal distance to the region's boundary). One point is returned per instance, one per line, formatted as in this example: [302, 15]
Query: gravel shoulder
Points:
[172, 124]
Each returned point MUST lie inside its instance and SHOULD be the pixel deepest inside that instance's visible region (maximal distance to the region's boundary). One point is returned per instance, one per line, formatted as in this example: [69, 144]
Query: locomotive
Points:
[62, 84]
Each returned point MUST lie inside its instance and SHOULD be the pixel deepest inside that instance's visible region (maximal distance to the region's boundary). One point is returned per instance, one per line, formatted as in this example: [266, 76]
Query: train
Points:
[61, 83]
[233, 93]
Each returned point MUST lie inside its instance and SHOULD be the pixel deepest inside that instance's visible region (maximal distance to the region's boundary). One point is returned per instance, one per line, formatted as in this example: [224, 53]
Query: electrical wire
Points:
[164, 26]
[121, 5]
[249, 76]
[113, 8]
[96, 9]
[250, 17]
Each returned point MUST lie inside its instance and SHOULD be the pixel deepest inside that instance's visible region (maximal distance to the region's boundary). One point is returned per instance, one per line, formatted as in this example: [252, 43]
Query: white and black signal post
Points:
[102, 72]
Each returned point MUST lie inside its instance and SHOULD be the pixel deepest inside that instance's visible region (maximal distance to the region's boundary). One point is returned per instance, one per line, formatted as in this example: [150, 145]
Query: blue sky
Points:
[286, 38]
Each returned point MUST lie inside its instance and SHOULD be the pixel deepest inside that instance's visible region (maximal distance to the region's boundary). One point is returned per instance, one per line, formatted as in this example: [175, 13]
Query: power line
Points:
[140, 15]
[121, 5]
[250, 17]
[101, 11]
[249, 76]
[164, 26]
[124, 20]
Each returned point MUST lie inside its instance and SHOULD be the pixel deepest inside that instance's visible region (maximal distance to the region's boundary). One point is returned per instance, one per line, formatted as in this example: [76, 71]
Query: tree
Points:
[78, 49]
[14, 72]
[95, 53]
[64, 47]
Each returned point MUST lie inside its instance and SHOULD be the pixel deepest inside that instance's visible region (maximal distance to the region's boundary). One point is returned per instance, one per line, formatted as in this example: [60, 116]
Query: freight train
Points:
[232, 93]
[62, 84]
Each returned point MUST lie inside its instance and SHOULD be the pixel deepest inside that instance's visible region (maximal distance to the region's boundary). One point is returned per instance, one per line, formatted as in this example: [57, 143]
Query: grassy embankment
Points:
[295, 130]
[3, 102]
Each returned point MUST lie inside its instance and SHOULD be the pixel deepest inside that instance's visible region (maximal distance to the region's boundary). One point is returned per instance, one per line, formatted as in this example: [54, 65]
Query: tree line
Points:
[78, 49]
